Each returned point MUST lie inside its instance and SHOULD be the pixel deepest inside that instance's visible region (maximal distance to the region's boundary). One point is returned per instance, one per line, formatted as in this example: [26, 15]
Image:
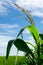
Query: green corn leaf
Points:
[41, 56]
[36, 37]
[26, 12]
[41, 41]
[22, 46]
[41, 46]
[30, 44]
[34, 32]
[10, 43]
[41, 35]
[20, 33]
[32, 61]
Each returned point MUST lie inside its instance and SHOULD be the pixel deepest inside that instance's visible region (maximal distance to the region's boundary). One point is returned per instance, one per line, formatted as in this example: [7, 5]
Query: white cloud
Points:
[30, 3]
[3, 9]
[3, 6]
[8, 29]
[10, 2]
[37, 13]
[9, 26]
[4, 33]
[4, 39]
[35, 6]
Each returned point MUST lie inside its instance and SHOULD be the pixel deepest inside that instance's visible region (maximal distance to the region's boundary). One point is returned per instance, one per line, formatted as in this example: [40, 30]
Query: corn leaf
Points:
[30, 44]
[41, 35]
[34, 32]
[41, 46]
[22, 46]
[10, 43]
[20, 32]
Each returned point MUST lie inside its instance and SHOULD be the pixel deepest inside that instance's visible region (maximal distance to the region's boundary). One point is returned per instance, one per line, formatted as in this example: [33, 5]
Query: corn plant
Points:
[34, 56]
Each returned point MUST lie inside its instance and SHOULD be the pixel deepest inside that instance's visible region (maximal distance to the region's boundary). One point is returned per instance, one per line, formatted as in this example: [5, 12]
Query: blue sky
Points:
[12, 20]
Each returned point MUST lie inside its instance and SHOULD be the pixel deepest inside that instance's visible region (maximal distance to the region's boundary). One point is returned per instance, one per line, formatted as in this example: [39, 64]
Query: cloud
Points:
[4, 33]
[11, 31]
[11, 2]
[37, 13]
[3, 9]
[30, 3]
[35, 6]
[4, 39]
[8, 29]
[9, 26]
[4, 6]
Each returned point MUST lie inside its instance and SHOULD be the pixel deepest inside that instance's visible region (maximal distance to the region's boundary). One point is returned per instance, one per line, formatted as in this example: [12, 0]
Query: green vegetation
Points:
[33, 56]
[10, 61]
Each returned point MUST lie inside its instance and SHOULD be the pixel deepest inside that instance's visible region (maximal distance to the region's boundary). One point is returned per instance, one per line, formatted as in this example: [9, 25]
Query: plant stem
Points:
[38, 54]
[16, 57]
